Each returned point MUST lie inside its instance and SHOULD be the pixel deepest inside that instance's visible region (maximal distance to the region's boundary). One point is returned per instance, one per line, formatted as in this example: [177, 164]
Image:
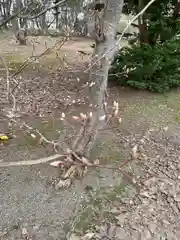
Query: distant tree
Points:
[159, 23]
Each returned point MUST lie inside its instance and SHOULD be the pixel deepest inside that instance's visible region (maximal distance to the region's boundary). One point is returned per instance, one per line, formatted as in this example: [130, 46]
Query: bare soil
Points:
[116, 209]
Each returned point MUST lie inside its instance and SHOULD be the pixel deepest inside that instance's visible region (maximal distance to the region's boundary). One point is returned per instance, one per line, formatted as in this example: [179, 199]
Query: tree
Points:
[19, 27]
[153, 62]
[30, 10]
[5, 7]
[159, 22]
[106, 16]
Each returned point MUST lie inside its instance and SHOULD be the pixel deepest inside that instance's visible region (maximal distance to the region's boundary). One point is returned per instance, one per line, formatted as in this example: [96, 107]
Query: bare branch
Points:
[14, 15]
[122, 35]
[31, 162]
[34, 58]
[43, 11]
[30, 17]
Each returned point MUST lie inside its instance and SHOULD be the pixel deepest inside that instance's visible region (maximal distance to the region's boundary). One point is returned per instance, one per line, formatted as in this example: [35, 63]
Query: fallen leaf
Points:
[96, 162]
[121, 218]
[83, 116]
[70, 172]
[74, 237]
[166, 128]
[177, 198]
[63, 184]
[88, 236]
[141, 149]
[3, 137]
[135, 154]
[24, 232]
[102, 118]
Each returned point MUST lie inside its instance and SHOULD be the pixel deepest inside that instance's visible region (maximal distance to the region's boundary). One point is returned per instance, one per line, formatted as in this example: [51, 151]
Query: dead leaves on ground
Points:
[72, 167]
[138, 150]
[87, 236]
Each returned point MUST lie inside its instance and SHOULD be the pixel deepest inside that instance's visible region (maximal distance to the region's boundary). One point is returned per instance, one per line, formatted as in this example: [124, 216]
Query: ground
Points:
[104, 204]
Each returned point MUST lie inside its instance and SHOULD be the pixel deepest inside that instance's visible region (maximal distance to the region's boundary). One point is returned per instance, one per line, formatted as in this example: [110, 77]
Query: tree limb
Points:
[27, 16]
[31, 162]
[13, 16]
[43, 11]
[124, 31]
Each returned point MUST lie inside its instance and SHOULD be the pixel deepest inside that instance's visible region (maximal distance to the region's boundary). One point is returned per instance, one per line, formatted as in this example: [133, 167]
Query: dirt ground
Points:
[148, 209]
[103, 205]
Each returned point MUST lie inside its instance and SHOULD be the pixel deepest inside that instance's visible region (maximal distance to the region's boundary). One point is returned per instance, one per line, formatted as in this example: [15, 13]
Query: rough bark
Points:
[19, 32]
[105, 38]
[44, 25]
[21, 36]
[143, 31]
[5, 7]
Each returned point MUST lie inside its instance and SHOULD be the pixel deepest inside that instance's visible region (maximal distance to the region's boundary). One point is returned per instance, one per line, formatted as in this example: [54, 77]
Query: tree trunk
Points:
[176, 10]
[44, 26]
[57, 20]
[20, 33]
[143, 31]
[5, 10]
[105, 38]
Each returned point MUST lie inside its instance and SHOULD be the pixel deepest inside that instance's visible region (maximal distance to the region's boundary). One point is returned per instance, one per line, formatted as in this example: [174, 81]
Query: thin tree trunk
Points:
[44, 26]
[57, 20]
[176, 10]
[105, 38]
[143, 31]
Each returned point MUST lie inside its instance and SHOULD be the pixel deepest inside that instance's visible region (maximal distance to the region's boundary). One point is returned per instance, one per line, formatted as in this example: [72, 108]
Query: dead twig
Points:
[32, 59]
[43, 11]
[122, 35]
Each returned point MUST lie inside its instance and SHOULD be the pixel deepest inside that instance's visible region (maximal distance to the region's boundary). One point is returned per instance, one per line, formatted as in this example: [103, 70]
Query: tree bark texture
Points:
[105, 37]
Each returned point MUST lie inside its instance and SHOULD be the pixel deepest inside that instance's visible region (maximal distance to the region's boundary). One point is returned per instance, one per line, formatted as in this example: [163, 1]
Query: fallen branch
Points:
[72, 165]
[31, 162]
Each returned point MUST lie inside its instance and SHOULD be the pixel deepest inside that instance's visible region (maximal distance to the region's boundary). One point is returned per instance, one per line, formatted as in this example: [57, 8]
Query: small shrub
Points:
[156, 68]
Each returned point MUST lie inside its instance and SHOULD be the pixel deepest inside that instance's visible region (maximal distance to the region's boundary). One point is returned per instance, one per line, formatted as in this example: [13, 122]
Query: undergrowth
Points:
[153, 67]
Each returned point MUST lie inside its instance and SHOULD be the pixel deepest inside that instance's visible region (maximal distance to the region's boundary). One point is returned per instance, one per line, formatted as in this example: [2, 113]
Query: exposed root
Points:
[73, 166]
